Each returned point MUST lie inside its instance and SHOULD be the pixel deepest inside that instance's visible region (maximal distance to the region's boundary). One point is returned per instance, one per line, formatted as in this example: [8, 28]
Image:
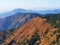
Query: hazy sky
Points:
[6, 5]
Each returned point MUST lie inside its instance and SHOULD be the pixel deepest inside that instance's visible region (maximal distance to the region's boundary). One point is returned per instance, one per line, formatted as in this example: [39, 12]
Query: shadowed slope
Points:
[15, 21]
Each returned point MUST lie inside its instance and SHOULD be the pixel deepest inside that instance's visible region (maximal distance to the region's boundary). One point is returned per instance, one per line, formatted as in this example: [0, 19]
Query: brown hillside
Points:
[26, 32]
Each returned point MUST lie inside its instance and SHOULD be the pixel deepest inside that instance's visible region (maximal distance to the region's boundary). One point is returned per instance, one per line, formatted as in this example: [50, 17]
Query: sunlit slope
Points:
[33, 32]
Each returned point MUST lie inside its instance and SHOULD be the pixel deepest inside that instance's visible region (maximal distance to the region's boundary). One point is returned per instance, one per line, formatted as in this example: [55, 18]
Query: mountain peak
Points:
[34, 24]
[36, 31]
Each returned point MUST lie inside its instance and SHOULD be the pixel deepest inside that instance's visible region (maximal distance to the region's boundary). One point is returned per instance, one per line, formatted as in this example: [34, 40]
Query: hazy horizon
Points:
[6, 5]
[10, 5]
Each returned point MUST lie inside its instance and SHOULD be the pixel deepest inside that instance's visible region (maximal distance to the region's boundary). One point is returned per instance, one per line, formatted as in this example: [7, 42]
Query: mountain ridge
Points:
[37, 25]
[16, 20]
[19, 19]
[12, 12]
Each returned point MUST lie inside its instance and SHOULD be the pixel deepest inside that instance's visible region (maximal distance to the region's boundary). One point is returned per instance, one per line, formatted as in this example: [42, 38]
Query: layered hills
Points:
[14, 11]
[19, 17]
[37, 31]
[30, 28]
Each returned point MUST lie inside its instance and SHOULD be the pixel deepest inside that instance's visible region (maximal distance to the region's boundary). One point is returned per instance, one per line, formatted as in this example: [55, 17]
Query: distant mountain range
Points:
[19, 17]
[9, 13]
